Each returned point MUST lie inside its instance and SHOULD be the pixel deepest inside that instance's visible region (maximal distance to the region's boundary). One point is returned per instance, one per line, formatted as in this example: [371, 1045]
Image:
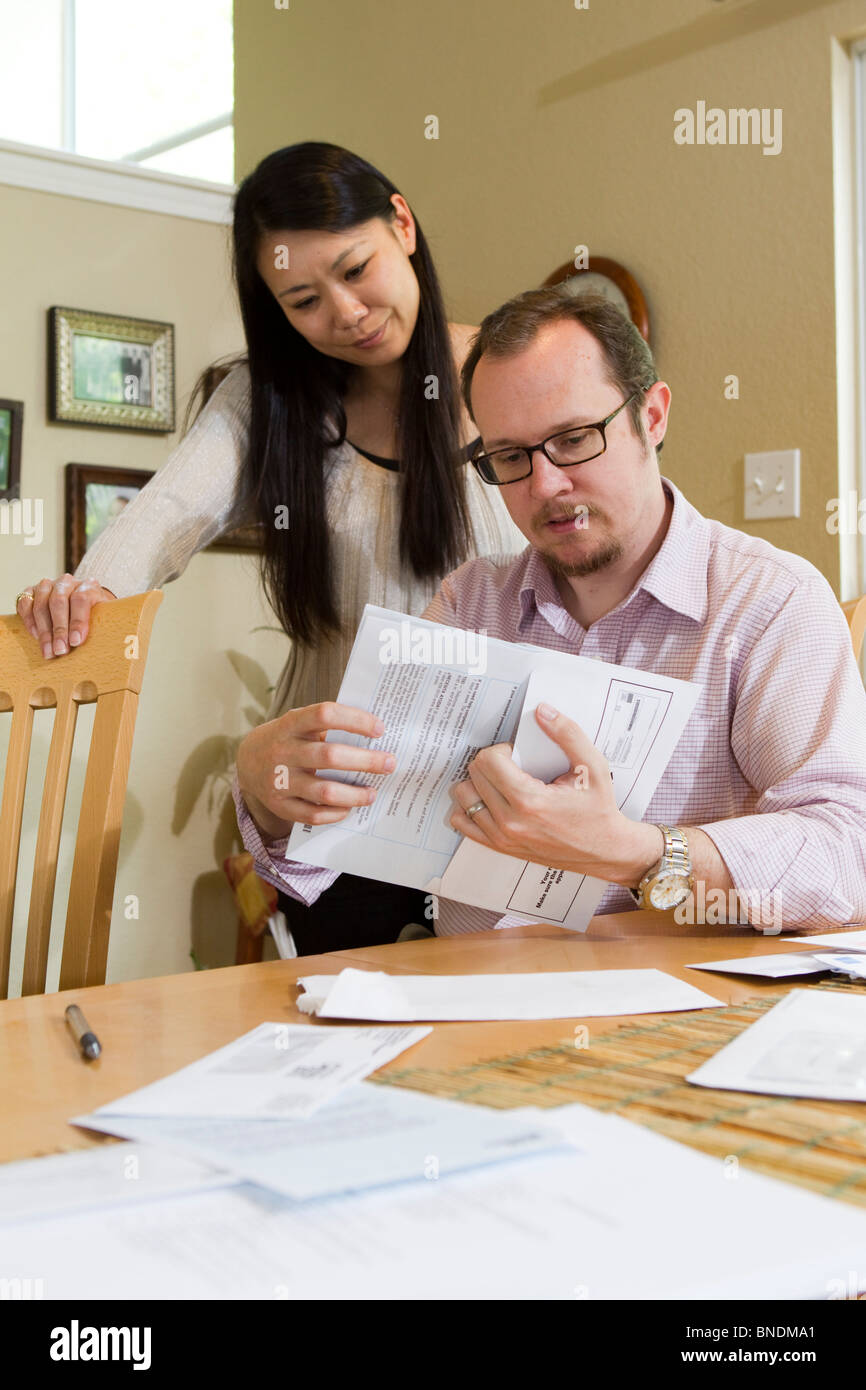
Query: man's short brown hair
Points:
[515, 324]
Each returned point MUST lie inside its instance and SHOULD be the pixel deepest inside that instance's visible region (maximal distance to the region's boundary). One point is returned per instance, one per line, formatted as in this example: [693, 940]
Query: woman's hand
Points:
[57, 611]
[278, 761]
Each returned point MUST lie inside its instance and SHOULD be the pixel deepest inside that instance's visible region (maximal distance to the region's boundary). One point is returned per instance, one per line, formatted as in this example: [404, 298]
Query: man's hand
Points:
[572, 823]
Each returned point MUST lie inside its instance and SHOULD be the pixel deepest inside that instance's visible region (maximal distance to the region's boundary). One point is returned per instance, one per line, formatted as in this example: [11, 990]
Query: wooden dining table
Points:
[151, 1027]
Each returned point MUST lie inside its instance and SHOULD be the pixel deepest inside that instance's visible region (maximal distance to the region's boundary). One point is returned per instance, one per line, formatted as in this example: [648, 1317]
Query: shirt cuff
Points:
[303, 882]
[782, 871]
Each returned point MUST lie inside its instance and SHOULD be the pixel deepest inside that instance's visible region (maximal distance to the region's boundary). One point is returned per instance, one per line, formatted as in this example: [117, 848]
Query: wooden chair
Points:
[855, 612]
[108, 670]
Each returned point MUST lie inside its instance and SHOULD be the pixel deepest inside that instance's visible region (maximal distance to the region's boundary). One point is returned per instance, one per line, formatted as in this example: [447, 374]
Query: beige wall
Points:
[59, 250]
[556, 129]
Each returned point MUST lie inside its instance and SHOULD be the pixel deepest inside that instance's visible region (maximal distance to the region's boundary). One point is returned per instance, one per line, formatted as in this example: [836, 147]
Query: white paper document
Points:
[852, 964]
[277, 1070]
[373, 994]
[838, 940]
[772, 967]
[443, 694]
[628, 1215]
[368, 1137]
[812, 1043]
[98, 1178]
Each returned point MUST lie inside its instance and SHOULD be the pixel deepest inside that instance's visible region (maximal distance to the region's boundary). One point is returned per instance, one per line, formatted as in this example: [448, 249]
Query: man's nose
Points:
[546, 479]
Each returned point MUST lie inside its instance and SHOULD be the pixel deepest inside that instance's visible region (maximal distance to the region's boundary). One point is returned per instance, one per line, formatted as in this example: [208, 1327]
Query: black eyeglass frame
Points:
[600, 425]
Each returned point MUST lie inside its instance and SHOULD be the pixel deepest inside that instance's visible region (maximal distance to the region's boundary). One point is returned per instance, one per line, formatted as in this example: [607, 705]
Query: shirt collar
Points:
[676, 575]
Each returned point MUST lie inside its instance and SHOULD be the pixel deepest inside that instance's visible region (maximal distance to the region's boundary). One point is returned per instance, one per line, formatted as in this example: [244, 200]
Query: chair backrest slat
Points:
[48, 845]
[107, 669]
[91, 888]
[11, 813]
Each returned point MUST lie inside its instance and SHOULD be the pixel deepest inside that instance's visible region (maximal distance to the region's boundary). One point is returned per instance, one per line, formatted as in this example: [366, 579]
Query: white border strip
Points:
[101, 181]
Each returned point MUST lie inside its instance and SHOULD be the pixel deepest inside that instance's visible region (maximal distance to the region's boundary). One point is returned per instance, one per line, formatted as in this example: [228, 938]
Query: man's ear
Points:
[657, 404]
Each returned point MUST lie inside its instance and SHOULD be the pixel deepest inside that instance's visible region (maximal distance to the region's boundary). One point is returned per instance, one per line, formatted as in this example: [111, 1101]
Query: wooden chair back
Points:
[855, 612]
[108, 670]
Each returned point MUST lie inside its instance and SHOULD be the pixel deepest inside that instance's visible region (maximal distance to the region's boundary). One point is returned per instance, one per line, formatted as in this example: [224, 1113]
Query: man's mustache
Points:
[577, 509]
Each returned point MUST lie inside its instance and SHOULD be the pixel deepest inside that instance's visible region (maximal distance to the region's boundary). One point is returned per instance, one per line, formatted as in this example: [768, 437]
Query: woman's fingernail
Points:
[546, 711]
[390, 763]
[74, 639]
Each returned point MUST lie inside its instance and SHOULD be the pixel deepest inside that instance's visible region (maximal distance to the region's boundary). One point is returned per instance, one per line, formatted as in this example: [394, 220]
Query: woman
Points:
[343, 432]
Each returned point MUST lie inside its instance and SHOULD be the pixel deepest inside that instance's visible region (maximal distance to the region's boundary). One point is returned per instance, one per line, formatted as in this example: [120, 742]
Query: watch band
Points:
[675, 857]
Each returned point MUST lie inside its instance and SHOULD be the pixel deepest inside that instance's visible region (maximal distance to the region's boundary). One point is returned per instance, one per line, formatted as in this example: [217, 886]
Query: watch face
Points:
[669, 892]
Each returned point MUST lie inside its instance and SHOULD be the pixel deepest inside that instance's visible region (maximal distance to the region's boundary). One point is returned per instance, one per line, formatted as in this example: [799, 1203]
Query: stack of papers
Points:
[373, 994]
[611, 1215]
[279, 1107]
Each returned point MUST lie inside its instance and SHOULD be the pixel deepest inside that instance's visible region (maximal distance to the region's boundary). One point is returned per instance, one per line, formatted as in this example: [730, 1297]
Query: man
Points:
[765, 795]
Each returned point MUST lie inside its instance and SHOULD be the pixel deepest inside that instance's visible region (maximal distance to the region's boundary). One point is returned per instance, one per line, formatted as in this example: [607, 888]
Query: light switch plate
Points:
[772, 485]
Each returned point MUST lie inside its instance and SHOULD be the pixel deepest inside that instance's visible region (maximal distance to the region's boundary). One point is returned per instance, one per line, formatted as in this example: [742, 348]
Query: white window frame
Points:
[858, 64]
[104, 181]
[121, 182]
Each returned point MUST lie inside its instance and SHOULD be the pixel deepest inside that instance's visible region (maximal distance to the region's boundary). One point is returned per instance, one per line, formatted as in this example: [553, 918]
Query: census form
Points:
[438, 713]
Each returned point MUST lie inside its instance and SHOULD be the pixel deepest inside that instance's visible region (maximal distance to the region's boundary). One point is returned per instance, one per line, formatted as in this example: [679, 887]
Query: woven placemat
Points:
[638, 1070]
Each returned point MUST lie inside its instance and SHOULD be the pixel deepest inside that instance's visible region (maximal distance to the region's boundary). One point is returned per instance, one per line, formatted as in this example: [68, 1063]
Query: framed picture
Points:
[110, 371]
[95, 495]
[610, 279]
[11, 424]
[249, 536]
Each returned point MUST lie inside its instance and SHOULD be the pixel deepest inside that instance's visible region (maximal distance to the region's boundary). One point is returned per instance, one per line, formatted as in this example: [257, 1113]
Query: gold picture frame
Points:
[110, 371]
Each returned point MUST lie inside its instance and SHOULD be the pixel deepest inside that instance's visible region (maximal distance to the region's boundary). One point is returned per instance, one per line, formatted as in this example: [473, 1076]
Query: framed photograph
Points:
[94, 497]
[110, 371]
[610, 279]
[11, 424]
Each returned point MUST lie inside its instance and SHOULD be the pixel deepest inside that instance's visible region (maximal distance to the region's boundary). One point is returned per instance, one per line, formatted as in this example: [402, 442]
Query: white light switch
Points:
[772, 485]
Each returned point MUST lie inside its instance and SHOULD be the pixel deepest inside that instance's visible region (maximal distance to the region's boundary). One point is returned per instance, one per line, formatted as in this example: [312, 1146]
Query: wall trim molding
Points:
[102, 181]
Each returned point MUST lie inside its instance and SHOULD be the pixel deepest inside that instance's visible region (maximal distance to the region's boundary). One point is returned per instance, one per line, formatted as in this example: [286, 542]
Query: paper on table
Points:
[546, 994]
[636, 720]
[843, 963]
[615, 1220]
[99, 1178]
[439, 710]
[812, 1043]
[842, 940]
[368, 1137]
[774, 967]
[276, 1070]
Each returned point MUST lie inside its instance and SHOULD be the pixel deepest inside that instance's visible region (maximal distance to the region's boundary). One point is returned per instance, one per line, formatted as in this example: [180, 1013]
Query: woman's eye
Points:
[305, 303]
[356, 270]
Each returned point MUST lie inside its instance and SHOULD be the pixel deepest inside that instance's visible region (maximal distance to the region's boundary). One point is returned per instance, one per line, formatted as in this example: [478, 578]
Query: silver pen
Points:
[82, 1033]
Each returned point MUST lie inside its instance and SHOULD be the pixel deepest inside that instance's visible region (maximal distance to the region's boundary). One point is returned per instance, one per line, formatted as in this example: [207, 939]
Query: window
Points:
[146, 85]
[859, 151]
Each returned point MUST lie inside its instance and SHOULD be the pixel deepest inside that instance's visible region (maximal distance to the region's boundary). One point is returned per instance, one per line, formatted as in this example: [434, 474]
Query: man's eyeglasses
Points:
[579, 445]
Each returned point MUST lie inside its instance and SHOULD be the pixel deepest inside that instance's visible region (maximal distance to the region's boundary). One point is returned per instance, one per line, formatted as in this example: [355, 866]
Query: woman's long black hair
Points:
[297, 393]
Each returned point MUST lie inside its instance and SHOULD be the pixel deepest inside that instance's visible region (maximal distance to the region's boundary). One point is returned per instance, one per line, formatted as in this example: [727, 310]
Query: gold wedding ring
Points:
[473, 810]
[25, 593]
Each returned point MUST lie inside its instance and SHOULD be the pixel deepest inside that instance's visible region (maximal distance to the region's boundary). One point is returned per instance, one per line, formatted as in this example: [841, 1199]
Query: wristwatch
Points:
[669, 882]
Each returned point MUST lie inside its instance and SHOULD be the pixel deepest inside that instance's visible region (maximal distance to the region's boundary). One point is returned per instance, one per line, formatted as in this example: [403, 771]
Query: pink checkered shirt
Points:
[772, 763]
